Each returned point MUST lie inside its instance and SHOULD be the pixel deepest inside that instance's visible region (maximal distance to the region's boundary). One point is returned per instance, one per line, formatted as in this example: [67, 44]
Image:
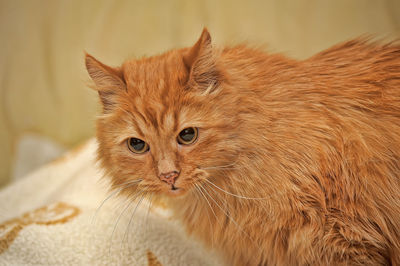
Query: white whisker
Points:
[230, 218]
[234, 195]
[209, 220]
[148, 211]
[226, 166]
[132, 215]
[129, 184]
[119, 218]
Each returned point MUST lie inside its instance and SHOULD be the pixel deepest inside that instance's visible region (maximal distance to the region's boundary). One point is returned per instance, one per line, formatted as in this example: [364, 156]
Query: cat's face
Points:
[163, 124]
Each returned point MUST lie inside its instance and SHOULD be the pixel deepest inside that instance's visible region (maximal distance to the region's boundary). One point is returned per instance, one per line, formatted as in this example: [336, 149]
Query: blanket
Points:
[64, 214]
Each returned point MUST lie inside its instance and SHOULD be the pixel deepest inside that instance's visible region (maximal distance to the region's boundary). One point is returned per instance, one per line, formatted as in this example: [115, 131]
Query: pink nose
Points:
[169, 177]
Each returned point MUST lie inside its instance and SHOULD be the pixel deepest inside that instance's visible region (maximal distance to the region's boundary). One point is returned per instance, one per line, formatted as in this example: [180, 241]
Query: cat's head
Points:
[167, 120]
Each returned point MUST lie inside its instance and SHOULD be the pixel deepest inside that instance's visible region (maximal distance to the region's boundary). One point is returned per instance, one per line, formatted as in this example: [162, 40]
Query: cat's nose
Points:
[169, 177]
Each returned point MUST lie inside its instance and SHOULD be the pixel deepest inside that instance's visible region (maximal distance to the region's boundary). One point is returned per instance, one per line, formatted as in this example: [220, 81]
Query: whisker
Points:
[226, 166]
[263, 205]
[230, 218]
[200, 190]
[147, 213]
[234, 195]
[219, 168]
[119, 218]
[209, 220]
[129, 184]
[133, 214]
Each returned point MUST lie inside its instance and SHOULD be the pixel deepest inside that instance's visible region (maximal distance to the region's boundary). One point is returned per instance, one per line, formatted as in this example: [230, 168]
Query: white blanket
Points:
[52, 217]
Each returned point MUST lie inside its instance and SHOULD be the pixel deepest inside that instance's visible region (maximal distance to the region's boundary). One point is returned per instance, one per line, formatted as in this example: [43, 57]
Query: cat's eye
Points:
[187, 136]
[137, 145]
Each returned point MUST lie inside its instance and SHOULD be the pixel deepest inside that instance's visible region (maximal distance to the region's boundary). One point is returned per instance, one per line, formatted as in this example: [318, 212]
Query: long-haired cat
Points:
[270, 160]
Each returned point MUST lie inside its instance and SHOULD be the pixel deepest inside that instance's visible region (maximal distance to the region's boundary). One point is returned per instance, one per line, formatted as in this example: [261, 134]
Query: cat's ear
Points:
[108, 80]
[201, 64]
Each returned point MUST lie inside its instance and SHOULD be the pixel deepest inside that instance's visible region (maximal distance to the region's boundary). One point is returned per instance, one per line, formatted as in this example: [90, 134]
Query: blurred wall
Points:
[42, 77]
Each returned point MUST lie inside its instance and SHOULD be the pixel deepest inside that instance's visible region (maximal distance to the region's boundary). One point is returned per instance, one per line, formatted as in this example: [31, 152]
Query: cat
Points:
[267, 159]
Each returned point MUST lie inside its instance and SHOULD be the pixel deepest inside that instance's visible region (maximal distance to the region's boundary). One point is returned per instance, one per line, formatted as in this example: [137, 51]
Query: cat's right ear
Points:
[108, 80]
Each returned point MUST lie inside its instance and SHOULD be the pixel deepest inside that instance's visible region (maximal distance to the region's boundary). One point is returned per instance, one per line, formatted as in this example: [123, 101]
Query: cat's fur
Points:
[307, 152]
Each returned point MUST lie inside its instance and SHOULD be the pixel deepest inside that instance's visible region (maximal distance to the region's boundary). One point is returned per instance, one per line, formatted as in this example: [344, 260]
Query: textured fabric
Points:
[52, 217]
[42, 76]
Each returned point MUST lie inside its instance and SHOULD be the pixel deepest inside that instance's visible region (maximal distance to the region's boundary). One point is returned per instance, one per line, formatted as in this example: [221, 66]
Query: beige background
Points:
[42, 75]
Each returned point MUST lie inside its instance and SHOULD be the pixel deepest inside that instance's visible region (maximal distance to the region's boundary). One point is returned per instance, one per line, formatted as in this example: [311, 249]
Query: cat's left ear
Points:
[108, 80]
[201, 64]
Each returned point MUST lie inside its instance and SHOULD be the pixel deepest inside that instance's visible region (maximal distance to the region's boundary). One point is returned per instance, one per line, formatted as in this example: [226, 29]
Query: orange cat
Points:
[270, 160]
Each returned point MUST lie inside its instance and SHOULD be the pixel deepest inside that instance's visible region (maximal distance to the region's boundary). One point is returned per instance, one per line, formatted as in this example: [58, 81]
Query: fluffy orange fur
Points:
[296, 162]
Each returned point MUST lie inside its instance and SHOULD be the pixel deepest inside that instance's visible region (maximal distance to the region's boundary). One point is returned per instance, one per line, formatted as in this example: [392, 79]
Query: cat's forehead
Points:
[158, 101]
[155, 116]
[156, 76]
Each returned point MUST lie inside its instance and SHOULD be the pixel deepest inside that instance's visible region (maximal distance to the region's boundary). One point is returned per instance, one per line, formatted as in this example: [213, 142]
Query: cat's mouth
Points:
[175, 191]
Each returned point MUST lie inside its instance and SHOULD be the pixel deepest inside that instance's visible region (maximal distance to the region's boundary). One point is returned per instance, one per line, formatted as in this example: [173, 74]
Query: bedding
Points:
[63, 214]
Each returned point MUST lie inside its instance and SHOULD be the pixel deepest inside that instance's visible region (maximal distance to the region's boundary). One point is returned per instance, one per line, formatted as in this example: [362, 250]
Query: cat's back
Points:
[356, 78]
[356, 86]
[334, 120]
[360, 67]
[347, 65]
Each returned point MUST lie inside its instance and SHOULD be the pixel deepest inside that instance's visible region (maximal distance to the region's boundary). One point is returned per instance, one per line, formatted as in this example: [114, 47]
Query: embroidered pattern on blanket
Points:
[56, 213]
[152, 259]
